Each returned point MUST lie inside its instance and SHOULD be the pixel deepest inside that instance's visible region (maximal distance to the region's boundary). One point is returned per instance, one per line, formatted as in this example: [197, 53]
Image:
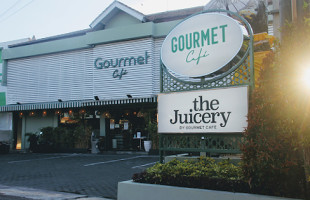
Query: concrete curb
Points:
[31, 193]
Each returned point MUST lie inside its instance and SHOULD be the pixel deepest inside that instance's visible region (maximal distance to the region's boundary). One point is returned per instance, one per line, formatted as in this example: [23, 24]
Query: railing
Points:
[220, 143]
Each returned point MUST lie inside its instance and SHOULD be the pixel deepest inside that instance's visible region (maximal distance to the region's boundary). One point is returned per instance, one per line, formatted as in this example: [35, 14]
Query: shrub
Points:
[60, 139]
[33, 141]
[82, 136]
[205, 174]
[274, 159]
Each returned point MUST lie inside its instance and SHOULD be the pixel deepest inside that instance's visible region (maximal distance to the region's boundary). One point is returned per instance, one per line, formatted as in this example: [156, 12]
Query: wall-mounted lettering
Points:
[121, 63]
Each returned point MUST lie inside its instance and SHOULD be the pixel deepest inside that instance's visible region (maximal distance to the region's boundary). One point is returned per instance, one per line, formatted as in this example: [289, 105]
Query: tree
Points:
[276, 147]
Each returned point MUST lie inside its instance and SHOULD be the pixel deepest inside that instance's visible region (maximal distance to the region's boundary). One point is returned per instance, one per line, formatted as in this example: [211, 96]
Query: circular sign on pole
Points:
[202, 44]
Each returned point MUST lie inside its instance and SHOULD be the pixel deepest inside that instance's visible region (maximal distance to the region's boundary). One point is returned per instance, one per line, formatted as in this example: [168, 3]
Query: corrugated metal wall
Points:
[72, 75]
[50, 77]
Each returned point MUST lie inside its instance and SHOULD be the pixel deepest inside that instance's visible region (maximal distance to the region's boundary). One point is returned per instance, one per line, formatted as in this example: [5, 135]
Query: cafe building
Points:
[105, 77]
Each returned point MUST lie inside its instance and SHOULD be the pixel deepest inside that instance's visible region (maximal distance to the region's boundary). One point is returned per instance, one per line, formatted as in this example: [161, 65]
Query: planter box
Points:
[140, 191]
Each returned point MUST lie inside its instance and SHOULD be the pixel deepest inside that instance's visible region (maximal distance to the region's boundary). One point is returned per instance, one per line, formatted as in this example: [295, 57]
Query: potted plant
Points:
[147, 145]
[151, 128]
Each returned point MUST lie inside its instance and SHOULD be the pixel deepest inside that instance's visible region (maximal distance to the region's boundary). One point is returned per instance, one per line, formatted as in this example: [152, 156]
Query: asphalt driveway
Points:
[94, 175]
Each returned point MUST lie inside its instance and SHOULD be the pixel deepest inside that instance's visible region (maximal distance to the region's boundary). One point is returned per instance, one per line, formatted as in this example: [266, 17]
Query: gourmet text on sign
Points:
[202, 44]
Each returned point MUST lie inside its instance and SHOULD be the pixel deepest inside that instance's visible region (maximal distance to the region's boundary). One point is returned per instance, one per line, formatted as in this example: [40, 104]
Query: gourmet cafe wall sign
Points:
[202, 44]
[120, 64]
[218, 110]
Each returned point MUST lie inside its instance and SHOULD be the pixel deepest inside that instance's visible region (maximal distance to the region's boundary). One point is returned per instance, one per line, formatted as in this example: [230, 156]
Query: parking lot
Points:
[94, 175]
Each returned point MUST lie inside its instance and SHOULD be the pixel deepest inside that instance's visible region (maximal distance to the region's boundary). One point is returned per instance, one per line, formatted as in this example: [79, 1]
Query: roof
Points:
[111, 11]
[173, 15]
[56, 37]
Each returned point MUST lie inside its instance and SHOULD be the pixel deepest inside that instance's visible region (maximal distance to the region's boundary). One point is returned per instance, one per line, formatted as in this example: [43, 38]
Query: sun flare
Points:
[306, 78]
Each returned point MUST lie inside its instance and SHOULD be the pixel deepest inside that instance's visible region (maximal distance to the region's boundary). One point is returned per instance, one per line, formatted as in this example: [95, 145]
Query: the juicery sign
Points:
[218, 110]
[202, 44]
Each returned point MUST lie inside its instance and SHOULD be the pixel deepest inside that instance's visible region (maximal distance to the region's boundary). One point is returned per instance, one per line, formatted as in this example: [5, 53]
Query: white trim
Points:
[112, 161]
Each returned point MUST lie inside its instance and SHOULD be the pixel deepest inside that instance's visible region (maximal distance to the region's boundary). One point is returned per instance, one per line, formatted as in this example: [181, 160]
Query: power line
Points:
[17, 11]
[16, 2]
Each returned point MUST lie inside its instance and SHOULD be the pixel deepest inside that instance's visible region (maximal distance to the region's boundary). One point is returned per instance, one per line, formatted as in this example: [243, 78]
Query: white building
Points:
[106, 76]
[5, 118]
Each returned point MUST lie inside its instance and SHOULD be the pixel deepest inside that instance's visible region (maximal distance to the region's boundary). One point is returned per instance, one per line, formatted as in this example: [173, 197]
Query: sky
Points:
[43, 18]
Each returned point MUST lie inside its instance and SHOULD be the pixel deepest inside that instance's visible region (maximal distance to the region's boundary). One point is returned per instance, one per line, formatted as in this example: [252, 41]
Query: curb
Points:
[31, 193]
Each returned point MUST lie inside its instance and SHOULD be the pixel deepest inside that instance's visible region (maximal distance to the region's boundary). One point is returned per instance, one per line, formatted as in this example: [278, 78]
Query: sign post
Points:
[206, 74]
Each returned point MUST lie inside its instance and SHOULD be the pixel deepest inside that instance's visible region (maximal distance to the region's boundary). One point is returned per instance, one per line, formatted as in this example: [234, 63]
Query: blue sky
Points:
[42, 18]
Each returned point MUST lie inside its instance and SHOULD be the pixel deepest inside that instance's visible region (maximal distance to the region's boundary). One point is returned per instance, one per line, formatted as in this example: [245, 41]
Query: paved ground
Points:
[93, 175]
[5, 197]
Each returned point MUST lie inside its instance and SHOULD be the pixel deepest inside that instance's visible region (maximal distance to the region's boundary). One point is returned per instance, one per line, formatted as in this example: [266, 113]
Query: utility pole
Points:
[291, 11]
[285, 12]
[294, 10]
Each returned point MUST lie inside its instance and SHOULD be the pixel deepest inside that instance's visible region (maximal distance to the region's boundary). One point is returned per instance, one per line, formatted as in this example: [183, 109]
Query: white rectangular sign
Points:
[214, 111]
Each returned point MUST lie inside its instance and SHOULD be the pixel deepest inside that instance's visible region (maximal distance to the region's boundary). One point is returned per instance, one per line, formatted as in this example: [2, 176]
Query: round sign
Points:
[202, 44]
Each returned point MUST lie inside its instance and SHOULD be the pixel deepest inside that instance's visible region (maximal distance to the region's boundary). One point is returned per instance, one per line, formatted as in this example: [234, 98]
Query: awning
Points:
[75, 104]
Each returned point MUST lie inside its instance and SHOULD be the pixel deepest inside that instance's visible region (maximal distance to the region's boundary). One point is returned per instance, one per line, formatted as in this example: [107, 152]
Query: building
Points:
[105, 77]
[3, 46]
[5, 118]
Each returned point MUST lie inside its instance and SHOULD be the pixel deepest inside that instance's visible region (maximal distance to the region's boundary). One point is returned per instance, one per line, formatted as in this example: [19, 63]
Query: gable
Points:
[121, 19]
[114, 10]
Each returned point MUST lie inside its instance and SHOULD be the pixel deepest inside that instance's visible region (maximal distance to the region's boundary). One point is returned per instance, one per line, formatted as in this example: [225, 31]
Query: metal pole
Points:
[161, 82]
[294, 10]
[285, 13]
[161, 152]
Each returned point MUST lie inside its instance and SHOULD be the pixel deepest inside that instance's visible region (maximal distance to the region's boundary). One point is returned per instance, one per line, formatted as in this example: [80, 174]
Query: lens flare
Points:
[306, 78]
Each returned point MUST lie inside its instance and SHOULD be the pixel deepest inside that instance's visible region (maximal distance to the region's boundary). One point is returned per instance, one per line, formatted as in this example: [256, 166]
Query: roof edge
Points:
[117, 5]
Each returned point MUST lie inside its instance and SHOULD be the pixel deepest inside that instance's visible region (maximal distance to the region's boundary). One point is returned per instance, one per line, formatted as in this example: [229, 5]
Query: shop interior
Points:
[114, 127]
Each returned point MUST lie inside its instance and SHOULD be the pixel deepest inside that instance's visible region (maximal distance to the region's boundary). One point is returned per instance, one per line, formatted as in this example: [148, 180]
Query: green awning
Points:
[74, 104]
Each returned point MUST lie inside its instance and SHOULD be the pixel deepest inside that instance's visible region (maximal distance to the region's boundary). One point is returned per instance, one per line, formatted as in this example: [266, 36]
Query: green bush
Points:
[47, 135]
[82, 136]
[33, 142]
[60, 139]
[274, 156]
[203, 174]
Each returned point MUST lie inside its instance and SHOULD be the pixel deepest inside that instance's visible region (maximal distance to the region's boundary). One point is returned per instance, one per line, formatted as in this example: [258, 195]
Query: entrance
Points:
[126, 130]
[17, 131]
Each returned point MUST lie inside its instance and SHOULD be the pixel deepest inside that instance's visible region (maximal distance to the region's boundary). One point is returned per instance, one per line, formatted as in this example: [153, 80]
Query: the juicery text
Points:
[204, 114]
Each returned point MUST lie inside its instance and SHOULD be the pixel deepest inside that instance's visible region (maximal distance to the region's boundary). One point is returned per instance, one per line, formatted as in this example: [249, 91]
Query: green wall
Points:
[2, 99]
[123, 33]
[121, 19]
